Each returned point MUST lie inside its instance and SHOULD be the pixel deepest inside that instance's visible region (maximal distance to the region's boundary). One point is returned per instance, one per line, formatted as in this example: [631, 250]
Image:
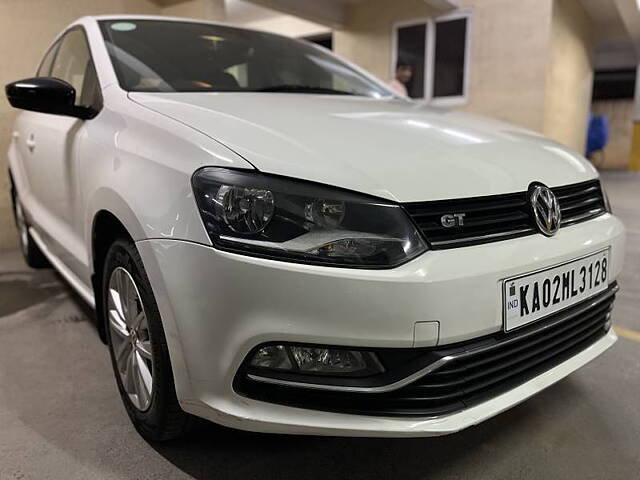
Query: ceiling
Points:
[616, 27]
[606, 19]
[331, 13]
[242, 11]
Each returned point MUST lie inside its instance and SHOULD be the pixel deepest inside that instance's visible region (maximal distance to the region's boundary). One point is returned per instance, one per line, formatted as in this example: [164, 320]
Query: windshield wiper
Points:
[286, 88]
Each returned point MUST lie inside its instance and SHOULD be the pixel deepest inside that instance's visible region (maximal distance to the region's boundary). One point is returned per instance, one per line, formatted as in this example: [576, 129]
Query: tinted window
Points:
[72, 60]
[411, 51]
[448, 76]
[165, 56]
[45, 65]
[73, 65]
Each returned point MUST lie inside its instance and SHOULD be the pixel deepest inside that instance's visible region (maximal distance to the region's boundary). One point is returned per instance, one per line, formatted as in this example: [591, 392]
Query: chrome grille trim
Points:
[501, 217]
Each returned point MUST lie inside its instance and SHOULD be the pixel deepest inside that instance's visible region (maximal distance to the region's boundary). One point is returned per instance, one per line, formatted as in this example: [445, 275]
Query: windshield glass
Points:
[170, 56]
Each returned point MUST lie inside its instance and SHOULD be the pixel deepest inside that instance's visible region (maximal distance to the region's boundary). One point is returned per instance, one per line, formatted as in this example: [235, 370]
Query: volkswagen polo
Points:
[274, 241]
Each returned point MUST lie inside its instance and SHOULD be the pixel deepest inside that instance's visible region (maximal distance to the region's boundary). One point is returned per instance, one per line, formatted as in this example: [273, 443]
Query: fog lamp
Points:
[317, 360]
[274, 356]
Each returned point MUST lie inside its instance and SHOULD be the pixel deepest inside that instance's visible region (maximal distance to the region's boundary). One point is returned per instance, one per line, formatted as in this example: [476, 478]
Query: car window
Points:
[171, 56]
[45, 65]
[73, 64]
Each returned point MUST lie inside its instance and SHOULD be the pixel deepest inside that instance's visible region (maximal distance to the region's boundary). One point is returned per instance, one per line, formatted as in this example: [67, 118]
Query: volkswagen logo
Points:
[546, 209]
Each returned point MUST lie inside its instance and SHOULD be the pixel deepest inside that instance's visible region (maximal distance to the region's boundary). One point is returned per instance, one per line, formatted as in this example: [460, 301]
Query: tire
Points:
[32, 254]
[138, 347]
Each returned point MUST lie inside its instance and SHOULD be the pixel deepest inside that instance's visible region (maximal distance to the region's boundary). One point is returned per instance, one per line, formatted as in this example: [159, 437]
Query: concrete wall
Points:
[569, 79]
[509, 46]
[367, 36]
[508, 60]
[530, 60]
[27, 28]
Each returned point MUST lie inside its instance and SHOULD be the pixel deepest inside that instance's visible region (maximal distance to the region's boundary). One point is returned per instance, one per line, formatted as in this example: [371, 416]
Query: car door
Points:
[51, 156]
[23, 135]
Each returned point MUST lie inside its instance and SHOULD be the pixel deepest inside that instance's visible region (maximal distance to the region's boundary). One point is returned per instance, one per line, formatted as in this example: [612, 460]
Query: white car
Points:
[276, 242]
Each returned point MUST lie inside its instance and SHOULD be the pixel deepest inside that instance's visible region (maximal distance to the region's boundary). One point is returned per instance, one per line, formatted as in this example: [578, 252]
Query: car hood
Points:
[395, 149]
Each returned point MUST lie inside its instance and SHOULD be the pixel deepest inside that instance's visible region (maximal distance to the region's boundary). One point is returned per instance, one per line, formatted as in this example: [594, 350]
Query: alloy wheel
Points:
[130, 338]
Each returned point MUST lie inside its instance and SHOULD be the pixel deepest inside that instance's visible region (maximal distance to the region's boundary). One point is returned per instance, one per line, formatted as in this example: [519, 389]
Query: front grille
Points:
[580, 202]
[501, 217]
[472, 371]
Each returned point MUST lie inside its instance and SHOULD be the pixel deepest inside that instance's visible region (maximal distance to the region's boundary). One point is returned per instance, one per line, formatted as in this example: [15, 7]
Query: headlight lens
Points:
[279, 218]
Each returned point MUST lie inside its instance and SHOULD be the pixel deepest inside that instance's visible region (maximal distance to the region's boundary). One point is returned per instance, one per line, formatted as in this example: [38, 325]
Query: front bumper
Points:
[217, 306]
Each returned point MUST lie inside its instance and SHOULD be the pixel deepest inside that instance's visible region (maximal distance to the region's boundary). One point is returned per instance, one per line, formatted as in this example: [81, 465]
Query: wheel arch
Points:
[109, 218]
[106, 229]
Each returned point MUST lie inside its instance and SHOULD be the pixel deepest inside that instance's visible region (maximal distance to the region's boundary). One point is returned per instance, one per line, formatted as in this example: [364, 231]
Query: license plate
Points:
[530, 297]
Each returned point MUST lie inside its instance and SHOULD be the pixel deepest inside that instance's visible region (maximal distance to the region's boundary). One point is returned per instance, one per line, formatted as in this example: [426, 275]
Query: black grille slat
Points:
[575, 339]
[568, 195]
[488, 204]
[477, 240]
[478, 369]
[474, 382]
[526, 354]
[481, 222]
[500, 217]
[583, 216]
[552, 336]
[582, 204]
[567, 319]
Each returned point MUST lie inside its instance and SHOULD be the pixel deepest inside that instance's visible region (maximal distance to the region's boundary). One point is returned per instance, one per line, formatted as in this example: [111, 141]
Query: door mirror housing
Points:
[47, 95]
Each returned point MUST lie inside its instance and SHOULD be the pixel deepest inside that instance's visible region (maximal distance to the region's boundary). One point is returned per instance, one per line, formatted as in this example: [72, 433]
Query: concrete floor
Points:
[61, 417]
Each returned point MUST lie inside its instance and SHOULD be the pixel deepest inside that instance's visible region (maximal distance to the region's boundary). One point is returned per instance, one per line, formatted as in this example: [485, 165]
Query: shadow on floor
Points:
[20, 290]
[216, 452]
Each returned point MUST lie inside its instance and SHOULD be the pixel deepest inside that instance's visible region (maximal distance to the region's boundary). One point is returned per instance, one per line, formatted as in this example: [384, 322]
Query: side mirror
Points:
[46, 95]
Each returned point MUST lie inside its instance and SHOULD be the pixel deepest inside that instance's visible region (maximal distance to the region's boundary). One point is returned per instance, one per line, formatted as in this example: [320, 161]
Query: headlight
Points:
[275, 217]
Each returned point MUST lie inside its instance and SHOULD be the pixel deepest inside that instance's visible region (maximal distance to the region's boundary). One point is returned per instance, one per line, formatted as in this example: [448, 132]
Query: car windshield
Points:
[171, 56]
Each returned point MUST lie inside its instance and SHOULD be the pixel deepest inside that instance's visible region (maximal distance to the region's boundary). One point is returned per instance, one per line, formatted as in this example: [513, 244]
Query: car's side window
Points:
[73, 64]
[45, 66]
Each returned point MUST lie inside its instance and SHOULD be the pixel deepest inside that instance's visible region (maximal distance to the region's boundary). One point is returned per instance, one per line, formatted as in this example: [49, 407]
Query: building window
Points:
[438, 52]
[411, 41]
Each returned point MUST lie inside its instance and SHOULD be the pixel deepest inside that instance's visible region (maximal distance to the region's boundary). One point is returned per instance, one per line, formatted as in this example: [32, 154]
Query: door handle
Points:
[31, 143]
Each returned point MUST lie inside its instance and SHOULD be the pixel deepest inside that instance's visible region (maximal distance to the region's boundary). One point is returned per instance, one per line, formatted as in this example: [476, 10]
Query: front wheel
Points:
[138, 346]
